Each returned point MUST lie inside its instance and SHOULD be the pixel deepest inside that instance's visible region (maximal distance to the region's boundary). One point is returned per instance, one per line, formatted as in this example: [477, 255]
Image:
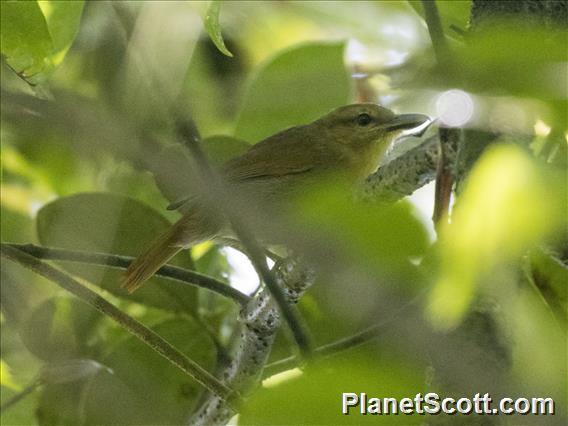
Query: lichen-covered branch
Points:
[260, 320]
[404, 174]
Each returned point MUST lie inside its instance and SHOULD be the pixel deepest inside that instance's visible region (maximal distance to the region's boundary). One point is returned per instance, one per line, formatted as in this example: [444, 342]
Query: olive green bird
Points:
[347, 143]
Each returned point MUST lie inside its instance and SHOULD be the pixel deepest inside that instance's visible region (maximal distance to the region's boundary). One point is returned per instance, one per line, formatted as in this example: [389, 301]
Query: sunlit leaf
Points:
[145, 388]
[25, 39]
[6, 378]
[507, 207]
[295, 87]
[110, 223]
[213, 27]
[63, 18]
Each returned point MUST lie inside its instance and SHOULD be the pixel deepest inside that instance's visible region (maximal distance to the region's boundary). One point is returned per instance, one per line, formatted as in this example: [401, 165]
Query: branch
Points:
[449, 138]
[439, 42]
[20, 395]
[190, 138]
[404, 174]
[116, 261]
[149, 337]
[260, 321]
[325, 350]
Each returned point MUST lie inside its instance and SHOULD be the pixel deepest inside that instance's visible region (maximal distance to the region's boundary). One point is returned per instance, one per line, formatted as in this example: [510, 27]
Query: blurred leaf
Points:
[372, 234]
[539, 352]
[213, 87]
[174, 168]
[59, 329]
[59, 404]
[6, 378]
[109, 223]
[63, 18]
[294, 87]
[156, 61]
[509, 58]
[25, 39]
[453, 14]
[213, 27]
[70, 370]
[16, 227]
[315, 398]
[506, 207]
[20, 413]
[550, 277]
[217, 311]
[222, 148]
[145, 388]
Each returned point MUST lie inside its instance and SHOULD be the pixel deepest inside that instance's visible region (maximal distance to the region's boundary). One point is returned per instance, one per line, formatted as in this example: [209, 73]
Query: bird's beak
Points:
[413, 124]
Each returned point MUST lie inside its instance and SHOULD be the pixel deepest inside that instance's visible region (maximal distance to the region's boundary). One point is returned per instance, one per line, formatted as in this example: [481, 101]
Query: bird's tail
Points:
[153, 258]
[192, 228]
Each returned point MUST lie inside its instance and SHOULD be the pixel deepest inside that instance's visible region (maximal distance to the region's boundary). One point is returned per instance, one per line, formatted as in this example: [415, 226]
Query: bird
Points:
[347, 143]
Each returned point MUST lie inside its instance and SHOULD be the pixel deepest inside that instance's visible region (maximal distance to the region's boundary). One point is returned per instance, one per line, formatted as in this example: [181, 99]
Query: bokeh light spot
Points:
[454, 108]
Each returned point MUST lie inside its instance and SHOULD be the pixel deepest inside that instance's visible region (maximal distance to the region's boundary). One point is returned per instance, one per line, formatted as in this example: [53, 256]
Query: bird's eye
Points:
[363, 119]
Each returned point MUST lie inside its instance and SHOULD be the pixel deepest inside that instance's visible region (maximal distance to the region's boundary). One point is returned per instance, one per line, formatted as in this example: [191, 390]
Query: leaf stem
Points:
[146, 335]
[116, 261]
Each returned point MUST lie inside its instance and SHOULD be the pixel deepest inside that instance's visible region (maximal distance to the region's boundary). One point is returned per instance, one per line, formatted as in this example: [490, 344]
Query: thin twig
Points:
[116, 261]
[439, 42]
[190, 137]
[325, 350]
[445, 169]
[20, 395]
[149, 337]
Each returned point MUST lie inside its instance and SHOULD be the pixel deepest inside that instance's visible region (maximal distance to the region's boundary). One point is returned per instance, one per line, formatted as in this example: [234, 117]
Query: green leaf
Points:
[63, 18]
[314, 397]
[213, 27]
[550, 277]
[509, 58]
[507, 207]
[6, 378]
[382, 237]
[295, 87]
[25, 39]
[453, 14]
[109, 223]
[59, 329]
[145, 388]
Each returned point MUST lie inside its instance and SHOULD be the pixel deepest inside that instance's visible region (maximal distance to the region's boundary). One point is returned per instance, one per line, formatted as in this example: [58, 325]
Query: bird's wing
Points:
[284, 153]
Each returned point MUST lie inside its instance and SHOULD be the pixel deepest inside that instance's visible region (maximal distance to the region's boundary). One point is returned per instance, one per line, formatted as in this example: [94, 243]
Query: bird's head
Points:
[363, 132]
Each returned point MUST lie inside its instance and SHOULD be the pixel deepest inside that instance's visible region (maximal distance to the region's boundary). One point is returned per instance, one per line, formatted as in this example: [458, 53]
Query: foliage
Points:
[90, 160]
